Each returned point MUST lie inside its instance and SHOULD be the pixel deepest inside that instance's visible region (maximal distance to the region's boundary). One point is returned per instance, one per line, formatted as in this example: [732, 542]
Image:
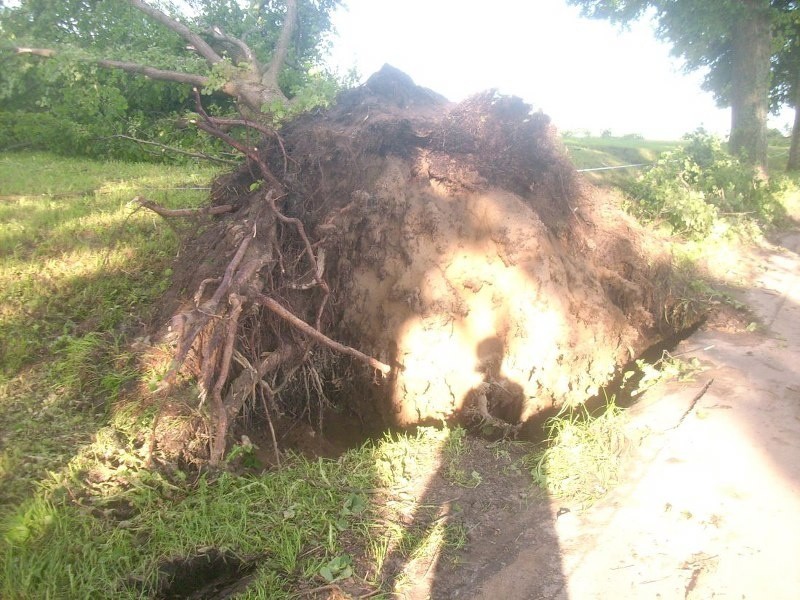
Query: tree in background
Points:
[70, 61]
[734, 39]
[786, 80]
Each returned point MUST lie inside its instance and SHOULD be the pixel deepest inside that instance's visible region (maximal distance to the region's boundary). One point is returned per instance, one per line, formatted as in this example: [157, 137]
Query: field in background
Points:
[593, 152]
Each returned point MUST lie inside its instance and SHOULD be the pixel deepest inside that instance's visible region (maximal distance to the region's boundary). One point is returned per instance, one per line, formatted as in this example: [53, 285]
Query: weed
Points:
[666, 368]
[582, 458]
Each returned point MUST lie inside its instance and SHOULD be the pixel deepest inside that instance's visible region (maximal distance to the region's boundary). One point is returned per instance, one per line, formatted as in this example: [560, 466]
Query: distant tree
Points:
[786, 80]
[734, 39]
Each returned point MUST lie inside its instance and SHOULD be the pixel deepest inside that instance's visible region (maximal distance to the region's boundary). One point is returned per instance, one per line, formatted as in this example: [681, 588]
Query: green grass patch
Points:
[80, 270]
[583, 453]
[594, 152]
[102, 526]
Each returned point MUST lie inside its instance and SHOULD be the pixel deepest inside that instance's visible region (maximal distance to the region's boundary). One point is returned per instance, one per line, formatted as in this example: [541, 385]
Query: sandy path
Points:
[711, 507]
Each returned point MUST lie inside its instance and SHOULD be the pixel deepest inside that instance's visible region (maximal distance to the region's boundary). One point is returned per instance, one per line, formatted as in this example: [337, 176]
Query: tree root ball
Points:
[460, 248]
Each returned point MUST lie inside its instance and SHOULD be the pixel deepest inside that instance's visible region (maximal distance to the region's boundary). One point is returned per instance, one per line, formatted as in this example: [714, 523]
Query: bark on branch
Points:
[321, 337]
[244, 50]
[129, 67]
[197, 43]
[269, 77]
[153, 73]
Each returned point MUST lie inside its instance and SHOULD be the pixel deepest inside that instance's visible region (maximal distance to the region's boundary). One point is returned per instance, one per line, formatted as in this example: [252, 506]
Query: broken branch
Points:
[199, 155]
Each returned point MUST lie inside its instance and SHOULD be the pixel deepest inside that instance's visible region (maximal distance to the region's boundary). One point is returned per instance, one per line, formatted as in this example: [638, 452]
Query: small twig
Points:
[693, 403]
[321, 337]
[200, 155]
[182, 212]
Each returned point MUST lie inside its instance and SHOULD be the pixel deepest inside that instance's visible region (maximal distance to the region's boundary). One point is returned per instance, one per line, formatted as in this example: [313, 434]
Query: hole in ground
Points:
[345, 429]
[212, 575]
[621, 388]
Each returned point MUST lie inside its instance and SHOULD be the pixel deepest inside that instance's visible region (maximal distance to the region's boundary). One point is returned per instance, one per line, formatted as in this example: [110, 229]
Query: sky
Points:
[586, 74]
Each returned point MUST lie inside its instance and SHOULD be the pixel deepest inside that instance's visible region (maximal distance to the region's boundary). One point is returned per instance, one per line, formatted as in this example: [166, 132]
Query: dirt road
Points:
[710, 505]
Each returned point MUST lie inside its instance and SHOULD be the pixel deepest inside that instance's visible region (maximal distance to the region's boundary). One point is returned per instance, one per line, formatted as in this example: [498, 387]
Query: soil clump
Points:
[452, 245]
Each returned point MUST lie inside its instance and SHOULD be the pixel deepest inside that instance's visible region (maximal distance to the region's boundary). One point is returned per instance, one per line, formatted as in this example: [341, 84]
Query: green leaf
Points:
[326, 573]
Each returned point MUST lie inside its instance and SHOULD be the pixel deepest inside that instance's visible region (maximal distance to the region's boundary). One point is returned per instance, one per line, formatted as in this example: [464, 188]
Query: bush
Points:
[697, 186]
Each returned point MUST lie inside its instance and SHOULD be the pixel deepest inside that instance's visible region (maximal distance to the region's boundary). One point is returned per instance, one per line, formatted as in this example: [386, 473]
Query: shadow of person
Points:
[478, 529]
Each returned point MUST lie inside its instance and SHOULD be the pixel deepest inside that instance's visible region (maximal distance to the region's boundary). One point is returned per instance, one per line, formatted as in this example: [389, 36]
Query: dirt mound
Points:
[453, 243]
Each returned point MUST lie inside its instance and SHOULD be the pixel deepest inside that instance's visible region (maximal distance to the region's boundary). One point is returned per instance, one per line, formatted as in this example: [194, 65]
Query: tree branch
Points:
[217, 33]
[199, 155]
[198, 44]
[270, 76]
[153, 73]
[129, 67]
[182, 212]
[46, 52]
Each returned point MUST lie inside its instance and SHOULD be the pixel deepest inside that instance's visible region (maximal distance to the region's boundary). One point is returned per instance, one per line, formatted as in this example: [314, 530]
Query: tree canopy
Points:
[68, 64]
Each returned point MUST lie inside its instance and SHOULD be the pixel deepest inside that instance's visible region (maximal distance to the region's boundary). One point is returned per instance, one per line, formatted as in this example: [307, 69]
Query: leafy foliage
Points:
[71, 105]
[691, 189]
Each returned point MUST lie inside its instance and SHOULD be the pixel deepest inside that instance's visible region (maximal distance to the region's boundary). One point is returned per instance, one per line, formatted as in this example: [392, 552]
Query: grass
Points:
[592, 152]
[78, 269]
[582, 458]
[81, 513]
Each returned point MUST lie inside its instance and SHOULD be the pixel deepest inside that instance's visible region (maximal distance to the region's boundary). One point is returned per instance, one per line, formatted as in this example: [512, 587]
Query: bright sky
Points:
[585, 74]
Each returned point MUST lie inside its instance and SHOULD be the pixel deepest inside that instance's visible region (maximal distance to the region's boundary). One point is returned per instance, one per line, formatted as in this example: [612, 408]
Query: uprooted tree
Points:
[409, 261]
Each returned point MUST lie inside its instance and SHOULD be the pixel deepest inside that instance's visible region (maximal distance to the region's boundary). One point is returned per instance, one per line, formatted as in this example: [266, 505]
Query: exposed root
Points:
[221, 424]
[478, 412]
[207, 333]
[429, 236]
[322, 338]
